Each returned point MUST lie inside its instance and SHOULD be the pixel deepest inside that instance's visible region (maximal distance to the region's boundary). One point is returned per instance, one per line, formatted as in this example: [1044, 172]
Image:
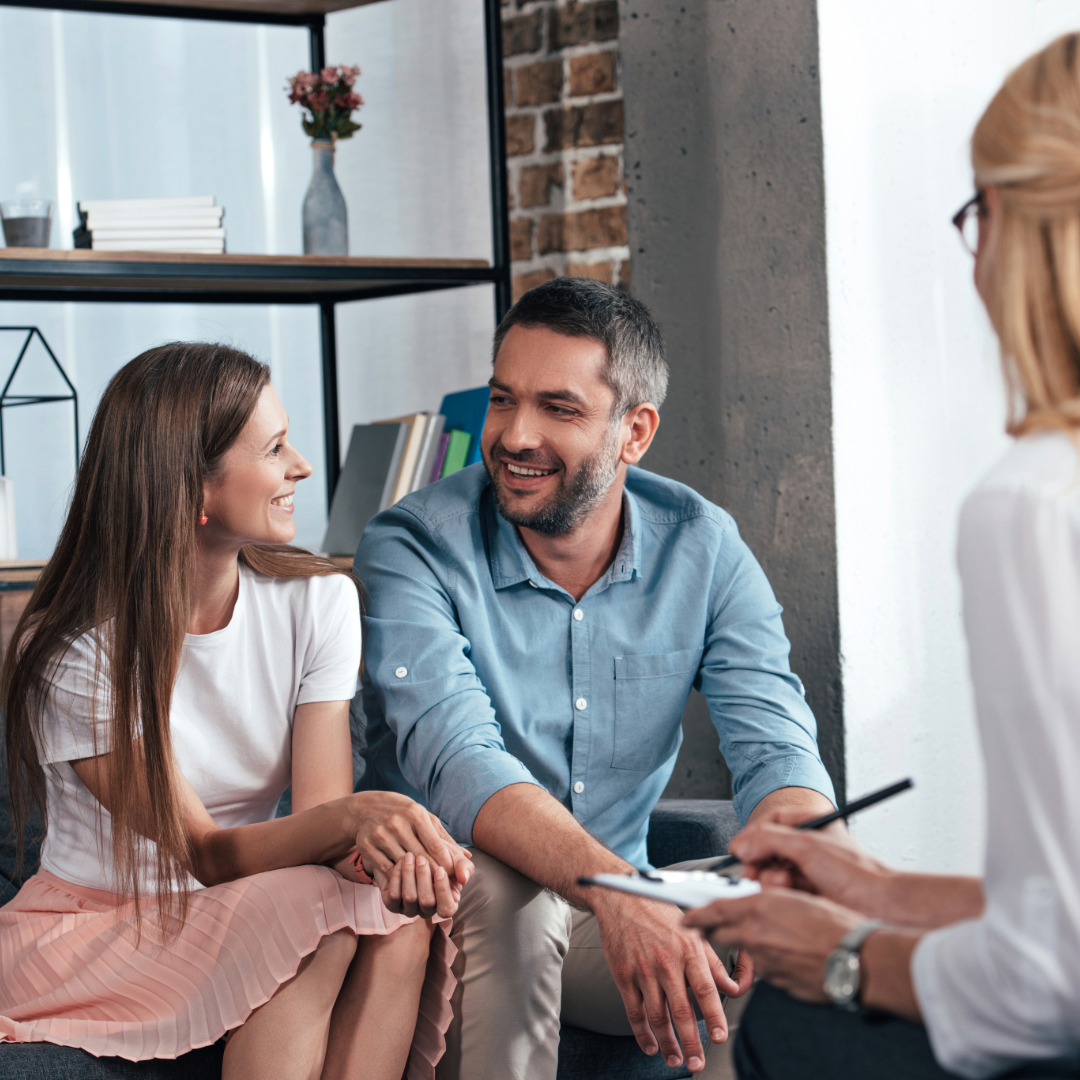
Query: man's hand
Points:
[654, 961]
[389, 826]
[415, 888]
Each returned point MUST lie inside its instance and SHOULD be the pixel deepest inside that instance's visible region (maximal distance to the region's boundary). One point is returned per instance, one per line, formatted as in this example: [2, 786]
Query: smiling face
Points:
[549, 442]
[250, 500]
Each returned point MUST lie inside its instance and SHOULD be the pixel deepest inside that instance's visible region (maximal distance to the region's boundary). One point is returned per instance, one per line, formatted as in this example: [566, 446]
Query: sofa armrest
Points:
[684, 829]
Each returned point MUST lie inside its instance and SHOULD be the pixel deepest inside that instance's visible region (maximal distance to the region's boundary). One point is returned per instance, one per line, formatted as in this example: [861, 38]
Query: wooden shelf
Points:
[286, 12]
[166, 277]
[265, 7]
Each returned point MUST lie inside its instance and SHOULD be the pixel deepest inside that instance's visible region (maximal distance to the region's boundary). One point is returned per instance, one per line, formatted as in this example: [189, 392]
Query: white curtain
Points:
[106, 106]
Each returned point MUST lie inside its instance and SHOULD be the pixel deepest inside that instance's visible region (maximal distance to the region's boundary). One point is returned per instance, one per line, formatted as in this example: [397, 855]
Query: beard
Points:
[576, 496]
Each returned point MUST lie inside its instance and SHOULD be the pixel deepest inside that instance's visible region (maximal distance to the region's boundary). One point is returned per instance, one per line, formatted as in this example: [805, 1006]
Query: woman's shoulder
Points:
[1044, 465]
[1033, 491]
[301, 595]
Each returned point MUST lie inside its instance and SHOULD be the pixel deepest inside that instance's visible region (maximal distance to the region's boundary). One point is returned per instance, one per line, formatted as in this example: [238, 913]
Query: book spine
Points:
[158, 234]
[457, 452]
[432, 436]
[440, 457]
[114, 205]
[395, 465]
[403, 484]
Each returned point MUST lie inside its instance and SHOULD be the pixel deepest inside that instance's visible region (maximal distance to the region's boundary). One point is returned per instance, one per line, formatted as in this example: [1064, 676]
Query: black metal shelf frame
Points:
[404, 281]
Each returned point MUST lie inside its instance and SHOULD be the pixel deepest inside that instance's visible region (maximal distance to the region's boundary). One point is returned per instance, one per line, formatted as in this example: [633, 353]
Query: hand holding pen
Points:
[832, 866]
[725, 862]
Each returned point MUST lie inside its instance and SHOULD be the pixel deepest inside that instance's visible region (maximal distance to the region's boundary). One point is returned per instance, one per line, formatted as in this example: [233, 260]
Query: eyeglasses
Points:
[967, 219]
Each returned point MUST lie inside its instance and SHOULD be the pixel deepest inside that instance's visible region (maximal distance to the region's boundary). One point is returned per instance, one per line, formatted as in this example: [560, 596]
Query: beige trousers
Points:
[526, 963]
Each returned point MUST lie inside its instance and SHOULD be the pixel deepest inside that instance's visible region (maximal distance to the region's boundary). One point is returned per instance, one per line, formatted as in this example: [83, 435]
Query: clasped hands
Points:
[816, 886]
[417, 865]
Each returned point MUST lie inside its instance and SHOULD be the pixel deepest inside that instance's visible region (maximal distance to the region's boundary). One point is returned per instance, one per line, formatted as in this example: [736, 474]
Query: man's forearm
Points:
[526, 828]
[804, 800]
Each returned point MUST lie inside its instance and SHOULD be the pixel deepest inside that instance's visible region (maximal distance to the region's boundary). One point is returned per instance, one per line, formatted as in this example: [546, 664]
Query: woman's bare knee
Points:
[339, 947]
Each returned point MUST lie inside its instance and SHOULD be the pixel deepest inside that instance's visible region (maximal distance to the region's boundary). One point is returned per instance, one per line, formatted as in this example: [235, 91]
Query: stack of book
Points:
[191, 224]
[389, 459]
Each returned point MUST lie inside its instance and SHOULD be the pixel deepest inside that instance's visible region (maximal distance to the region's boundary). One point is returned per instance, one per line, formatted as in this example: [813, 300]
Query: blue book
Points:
[465, 411]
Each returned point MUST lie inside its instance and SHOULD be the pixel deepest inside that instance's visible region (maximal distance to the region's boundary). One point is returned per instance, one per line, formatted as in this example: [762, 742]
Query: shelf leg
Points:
[331, 422]
[500, 211]
[317, 30]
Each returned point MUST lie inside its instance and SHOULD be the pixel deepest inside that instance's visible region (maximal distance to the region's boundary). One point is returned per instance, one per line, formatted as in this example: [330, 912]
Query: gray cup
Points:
[27, 222]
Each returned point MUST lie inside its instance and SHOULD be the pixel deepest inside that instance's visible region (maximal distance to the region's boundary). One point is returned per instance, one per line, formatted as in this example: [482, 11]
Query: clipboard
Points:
[684, 888]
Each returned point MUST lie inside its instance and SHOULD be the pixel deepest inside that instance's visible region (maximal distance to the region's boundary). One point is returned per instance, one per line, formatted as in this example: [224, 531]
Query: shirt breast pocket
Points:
[650, 695]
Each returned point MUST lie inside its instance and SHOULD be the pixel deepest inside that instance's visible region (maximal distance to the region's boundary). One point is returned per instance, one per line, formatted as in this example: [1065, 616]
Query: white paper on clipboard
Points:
[685, 888]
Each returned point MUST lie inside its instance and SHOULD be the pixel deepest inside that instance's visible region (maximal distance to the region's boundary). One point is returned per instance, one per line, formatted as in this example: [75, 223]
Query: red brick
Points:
[581, 23]
[599, 271]
[506, 87]
[520, 135]
[624, 275]
[521, 230]
[593, 73]
[522, 283]
[538, 84]
[534, 188]
[584, 125]
[521, 34]
[582, 230]
[594, 178]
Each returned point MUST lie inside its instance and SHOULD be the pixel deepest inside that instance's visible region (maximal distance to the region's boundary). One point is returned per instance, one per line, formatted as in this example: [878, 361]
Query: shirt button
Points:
[401, 672]
[579, 787]
[579, 615]
[580, 704]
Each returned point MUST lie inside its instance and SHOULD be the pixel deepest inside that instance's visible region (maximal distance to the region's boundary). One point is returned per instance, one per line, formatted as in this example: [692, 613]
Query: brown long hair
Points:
[1028, 144]
[124, 569]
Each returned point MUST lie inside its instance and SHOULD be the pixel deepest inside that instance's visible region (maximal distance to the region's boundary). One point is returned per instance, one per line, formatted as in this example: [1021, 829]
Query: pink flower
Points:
[328, 74]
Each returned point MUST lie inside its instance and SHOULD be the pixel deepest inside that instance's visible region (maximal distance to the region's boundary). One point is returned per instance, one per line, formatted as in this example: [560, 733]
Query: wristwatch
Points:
[842, 966]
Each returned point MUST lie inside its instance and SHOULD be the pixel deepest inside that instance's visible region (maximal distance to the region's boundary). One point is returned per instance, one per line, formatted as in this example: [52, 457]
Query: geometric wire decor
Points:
[11, 401]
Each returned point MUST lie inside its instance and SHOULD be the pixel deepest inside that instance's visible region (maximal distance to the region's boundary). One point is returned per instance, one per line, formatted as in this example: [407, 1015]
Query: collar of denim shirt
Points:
[511, 562]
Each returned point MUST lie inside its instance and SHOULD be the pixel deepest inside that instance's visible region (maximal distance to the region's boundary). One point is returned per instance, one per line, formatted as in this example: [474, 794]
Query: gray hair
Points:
[635, 368]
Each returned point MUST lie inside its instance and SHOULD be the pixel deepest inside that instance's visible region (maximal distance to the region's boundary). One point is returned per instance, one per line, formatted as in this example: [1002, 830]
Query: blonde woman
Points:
[961, 976]
[177, 668]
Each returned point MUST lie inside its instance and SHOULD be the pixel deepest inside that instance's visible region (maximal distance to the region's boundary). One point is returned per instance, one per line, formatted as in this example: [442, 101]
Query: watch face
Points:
[842, 976]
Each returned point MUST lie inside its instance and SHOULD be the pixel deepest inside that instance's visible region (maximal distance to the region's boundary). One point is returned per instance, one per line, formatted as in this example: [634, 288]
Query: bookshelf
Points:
[47, 274]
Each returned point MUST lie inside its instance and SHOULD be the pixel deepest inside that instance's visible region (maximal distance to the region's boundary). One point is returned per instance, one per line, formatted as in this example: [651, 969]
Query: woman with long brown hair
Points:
[177, 668]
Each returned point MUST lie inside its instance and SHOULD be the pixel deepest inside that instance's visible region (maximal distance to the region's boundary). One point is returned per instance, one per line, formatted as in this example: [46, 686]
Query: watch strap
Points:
[853, 940]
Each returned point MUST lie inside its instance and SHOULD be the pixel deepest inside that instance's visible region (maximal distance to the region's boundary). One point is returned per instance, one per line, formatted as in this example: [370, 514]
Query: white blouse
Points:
[289, 641]
[1005, 987]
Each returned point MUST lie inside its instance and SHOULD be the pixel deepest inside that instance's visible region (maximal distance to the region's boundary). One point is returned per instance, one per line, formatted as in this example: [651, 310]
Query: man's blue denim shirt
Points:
[480, 672]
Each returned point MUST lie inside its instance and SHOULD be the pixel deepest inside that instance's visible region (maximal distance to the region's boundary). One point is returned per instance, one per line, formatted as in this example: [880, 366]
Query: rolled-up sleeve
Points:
[418, 667]
[768, 734]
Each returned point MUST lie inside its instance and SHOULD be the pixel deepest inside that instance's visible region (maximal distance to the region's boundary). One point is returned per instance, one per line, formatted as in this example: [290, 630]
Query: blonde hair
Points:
[1027, 144]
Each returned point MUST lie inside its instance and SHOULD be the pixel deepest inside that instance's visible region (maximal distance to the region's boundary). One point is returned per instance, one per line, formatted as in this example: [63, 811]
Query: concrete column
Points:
[726, 226]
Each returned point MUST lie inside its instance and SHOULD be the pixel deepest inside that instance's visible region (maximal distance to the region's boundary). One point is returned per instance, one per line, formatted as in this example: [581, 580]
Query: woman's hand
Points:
[828, 865]
[390, 826]
[787, 934]
[415, 887]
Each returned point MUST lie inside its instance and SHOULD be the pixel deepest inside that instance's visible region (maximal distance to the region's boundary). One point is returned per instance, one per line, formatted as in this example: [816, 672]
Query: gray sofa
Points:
[678, 830]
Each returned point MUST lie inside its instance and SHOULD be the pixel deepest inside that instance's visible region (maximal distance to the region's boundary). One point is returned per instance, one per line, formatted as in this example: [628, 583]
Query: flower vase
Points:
[326, 224]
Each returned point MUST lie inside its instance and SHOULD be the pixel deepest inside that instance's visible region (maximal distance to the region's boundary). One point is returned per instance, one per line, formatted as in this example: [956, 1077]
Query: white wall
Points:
[102, 106]
[917, 396]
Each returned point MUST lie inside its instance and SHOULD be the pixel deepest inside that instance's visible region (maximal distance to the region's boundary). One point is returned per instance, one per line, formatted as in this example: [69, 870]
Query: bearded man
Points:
[533, 627]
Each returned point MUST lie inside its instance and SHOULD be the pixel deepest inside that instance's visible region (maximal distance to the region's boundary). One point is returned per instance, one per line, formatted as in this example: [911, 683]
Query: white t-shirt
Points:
[290, 641]
[1005, 988]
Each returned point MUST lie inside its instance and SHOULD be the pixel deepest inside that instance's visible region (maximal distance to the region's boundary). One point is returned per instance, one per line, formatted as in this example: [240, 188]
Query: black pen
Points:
[722, 862]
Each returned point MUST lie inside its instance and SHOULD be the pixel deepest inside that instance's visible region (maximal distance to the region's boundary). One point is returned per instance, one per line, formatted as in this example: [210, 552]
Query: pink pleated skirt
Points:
[72, 972]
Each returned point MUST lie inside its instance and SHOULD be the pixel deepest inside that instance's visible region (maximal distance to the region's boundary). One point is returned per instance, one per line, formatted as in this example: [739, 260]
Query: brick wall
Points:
[564, 130]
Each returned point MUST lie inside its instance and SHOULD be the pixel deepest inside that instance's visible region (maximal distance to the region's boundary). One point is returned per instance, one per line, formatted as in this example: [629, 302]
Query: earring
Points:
[203, 519]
